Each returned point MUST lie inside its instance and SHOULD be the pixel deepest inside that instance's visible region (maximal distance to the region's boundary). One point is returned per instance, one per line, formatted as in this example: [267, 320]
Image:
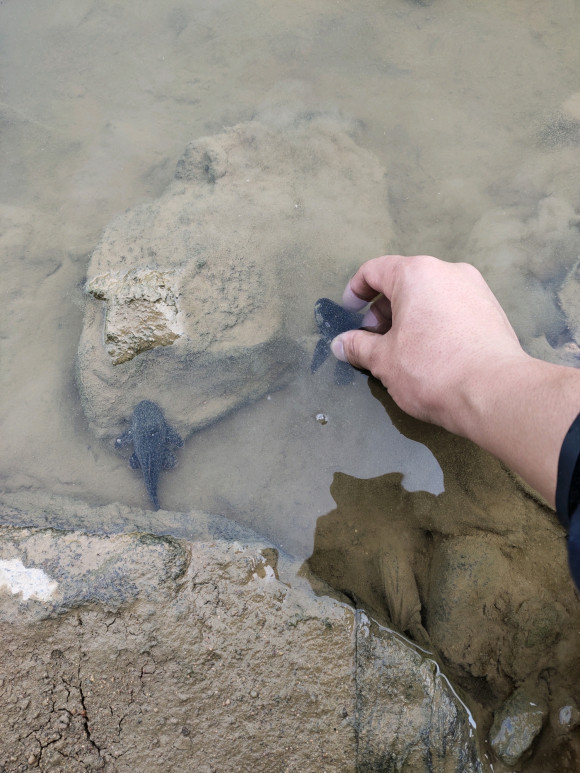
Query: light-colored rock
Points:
[190, 293]
[392, 731]
[141, 311]
[567, 353]
[155, 653]
[516, 724]
[565, 717]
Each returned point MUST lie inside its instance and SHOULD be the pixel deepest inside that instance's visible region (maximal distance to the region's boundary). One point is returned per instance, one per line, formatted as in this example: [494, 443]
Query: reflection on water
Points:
[473, 113]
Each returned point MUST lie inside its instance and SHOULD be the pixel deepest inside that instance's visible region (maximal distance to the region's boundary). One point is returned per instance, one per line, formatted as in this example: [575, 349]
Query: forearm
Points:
[520, 410]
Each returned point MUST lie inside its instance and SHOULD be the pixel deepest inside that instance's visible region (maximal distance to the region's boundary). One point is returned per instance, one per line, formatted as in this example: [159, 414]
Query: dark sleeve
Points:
[568, 495]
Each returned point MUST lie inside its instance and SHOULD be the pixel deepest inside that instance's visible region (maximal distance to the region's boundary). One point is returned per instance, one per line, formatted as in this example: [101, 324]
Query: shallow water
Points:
[467, 107]
[98, 103]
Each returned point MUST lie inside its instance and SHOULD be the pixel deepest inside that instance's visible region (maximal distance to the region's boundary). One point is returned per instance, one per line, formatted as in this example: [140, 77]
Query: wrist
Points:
[485, 391]
[520, 408]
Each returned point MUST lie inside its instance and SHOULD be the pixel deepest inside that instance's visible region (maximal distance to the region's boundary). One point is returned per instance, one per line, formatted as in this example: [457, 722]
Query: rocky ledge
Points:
[138, 652]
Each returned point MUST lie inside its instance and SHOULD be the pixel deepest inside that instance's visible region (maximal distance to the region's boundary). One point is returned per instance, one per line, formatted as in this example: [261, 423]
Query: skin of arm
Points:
[442, 345]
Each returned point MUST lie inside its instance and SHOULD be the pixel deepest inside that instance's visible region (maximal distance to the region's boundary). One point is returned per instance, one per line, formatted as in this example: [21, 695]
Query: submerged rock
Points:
[477, 574]
[565, 717]
[195, 297]
[524, 253]
[516, 724]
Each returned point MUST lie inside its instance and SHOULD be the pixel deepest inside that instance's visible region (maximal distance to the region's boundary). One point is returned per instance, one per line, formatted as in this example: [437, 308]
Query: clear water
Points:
[98, 102]
[469, 107]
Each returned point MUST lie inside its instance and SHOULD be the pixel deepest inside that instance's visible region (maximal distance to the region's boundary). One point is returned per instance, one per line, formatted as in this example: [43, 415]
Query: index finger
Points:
[373, 277]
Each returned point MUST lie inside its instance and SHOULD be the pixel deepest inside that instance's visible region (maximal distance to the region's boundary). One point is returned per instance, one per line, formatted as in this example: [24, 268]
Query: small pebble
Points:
[182, 742]
[253, 694]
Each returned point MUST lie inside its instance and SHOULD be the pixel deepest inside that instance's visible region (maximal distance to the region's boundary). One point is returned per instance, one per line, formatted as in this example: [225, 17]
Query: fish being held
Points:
[151, 437]
[331, 320]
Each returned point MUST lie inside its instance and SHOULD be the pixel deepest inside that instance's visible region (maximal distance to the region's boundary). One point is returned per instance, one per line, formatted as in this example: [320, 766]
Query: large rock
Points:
[524, 253]
[197, 300]
[138, 652]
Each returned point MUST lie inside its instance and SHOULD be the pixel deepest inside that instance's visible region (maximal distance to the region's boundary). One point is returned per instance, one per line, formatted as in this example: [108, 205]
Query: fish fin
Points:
[343, 373]
[134, 462]
[320, 354]
[169, 459]
[173, 437]
[124, 440]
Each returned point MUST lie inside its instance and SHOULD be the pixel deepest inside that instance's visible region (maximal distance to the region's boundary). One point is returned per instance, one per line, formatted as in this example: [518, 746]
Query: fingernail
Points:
[337, 348]
[370, 319]
[352, 301]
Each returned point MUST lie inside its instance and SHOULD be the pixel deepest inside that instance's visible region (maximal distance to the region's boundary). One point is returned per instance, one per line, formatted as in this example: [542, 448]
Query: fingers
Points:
[379, 317]
[376, 280]
[373, 277]
[357, 347]
[352, 301]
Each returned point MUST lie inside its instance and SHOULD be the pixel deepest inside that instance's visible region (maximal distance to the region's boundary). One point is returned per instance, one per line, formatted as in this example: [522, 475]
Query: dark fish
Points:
[151, 437]
[331, 320]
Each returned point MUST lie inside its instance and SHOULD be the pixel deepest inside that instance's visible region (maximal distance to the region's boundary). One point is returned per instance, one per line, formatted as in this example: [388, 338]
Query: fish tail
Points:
[152, 491]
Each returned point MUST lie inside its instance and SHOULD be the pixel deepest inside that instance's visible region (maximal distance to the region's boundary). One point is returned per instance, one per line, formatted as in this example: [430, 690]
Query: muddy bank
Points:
[478, 573]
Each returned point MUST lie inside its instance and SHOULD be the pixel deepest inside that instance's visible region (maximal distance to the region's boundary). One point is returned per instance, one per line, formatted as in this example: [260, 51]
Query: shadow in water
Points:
[372, 549]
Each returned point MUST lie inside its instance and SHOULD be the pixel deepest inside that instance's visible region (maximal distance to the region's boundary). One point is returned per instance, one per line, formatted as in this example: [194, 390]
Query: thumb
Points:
[356, 347]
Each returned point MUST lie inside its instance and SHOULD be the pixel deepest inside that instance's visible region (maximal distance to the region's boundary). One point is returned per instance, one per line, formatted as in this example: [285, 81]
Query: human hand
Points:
[435, 336]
